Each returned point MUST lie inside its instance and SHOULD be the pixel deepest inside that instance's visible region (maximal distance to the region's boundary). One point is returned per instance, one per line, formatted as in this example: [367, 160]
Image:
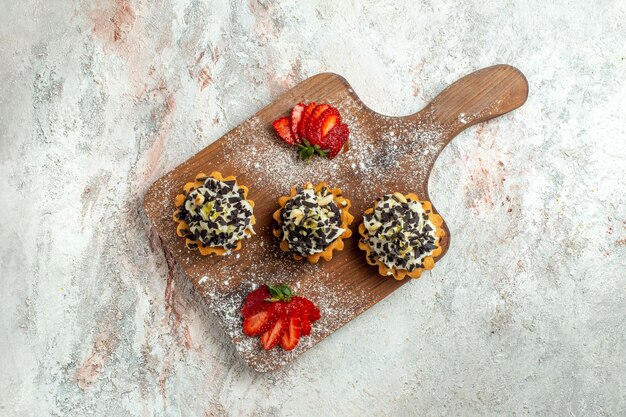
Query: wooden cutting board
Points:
[385, 154]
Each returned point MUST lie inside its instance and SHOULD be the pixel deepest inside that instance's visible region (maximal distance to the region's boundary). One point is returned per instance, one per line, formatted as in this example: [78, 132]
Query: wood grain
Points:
[419, 137]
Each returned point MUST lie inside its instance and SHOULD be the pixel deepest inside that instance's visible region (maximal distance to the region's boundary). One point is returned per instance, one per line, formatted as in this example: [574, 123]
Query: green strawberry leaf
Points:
[306, 151]
[279, 292]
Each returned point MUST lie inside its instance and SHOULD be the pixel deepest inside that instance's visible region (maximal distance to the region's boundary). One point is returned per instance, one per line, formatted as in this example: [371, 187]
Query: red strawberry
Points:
[308, 306]
[308, 129]
[279, 308]
[271, 337]
[330, 121]
[282, 126]
[335, 139]
[306, 324]
[258, 323]
[306, 310]
[296, 117]
[315, 128]
[255, 301]
[278, 315]
[290, 338]
[304, 316]
[323, 124]
[304, 119]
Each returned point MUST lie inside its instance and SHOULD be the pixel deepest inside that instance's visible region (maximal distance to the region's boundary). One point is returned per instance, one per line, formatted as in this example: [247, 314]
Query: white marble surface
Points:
[526, 315]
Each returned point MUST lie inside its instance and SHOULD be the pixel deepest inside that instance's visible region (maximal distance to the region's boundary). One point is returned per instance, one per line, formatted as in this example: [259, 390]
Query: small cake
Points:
[401, 235]
[313, 221]
[214, 215]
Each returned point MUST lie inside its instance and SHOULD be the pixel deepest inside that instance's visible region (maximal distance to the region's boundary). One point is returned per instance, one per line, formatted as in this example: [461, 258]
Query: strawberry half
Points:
[305, 308]
[304, 119]
[308, 129]
[335, 139]
[305, 324]
[291, 337]
[255, 301]
[258, 323]
[330, 121]
[282, 127]
[296, 117]
[270, 338]
[312, 311]
[323, 124]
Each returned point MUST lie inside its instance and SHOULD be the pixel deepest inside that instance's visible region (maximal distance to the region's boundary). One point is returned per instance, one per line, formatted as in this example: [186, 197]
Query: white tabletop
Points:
[526, 315]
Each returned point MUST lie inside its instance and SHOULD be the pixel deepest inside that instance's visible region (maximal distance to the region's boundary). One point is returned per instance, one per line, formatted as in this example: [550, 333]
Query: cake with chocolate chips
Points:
[313, 221]
[401, 235]
[214, 215]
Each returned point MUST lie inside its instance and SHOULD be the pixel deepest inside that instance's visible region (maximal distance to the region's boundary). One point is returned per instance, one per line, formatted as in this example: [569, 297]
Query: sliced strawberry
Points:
[255, 301]
[314, 313]
[323, 124]
[290, 338]
[271, 337]
[258, 323]
[296, 117]
[330, 121]
[305, 323]
[334, 144]
[282, 126]
[307, 308]
[304, 118]
[280, 308]
[283, 319]
[335, 139]
[308, 129]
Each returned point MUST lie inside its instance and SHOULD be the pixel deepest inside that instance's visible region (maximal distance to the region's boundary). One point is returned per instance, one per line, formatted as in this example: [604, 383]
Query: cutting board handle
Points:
[494, 91]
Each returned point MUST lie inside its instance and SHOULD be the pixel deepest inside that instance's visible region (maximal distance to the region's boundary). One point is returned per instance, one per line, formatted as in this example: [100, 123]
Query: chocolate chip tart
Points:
[401, 235]
[313, 221]
[214, 215]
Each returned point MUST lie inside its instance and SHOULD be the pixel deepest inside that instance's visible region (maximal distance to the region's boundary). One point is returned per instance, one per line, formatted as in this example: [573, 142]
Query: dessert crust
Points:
[183, 225]
[429, 261]
[337, 244]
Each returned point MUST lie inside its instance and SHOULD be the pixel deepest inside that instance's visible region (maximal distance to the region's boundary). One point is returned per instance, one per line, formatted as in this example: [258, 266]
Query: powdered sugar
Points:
[372, 154]
[336, 309]
[383, 155]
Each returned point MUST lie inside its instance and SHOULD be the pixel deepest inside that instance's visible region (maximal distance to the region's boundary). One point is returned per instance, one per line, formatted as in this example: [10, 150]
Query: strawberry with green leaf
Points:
[316, 129]
[278, 316]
